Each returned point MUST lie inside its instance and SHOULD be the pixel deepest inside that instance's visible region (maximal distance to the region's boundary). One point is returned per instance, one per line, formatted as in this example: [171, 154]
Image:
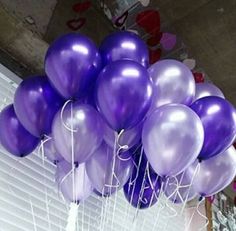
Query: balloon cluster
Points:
[109, 121]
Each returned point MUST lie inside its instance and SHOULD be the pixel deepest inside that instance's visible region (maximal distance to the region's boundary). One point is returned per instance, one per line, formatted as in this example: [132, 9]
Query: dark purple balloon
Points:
[124, 45]
[143, 188]
[36, 103]
[124, 94]
[218, 117]
[72, 63]
[13, 136]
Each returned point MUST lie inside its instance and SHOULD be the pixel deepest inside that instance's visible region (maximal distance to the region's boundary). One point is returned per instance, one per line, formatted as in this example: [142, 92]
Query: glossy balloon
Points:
[86, 125]
[130, 137]
[108, 173]
[207, 89]
[50, 151]
[218, 117]
[13, 136]
[172, 138]
[179, 189]
[76, 191]
[124, 45]
[214, 174]
[173, 82]
[143, 188]
[124, 94]
[72, 63]
[36, 103]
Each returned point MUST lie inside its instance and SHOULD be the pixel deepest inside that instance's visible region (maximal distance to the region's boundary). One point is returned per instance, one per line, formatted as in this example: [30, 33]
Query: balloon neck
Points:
[200, 198]
[76, 164]
[42, 137]
[199, 160]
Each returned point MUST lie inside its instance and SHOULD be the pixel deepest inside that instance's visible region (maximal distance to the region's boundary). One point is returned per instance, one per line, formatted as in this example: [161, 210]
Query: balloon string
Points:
[203, 216]
[72, 217]
[33, 216]
[121, 147]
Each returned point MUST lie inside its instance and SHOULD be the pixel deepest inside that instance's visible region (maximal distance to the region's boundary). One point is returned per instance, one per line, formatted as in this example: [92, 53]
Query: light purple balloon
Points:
[207, 89]
[78, 191]
[179, 189]
[108, 173]
[50, 151]
[173, 82]
[86, 126]
[172, 138]
[214, 174]
[130, 137]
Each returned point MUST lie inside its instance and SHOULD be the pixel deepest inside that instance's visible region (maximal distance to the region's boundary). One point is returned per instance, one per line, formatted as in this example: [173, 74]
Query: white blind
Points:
[29, 199]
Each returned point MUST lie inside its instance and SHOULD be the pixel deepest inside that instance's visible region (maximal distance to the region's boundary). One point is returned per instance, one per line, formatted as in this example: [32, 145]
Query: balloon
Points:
[173, 82]
[72, 63]
[215, 173]
[124, 94]
[218, 117]
[108, 173]
[130, 137]
[124, 45]
[172, 138]
[36, 103]
[179, 189]
[50, 151]
[207, 89]
[13, 136]
[143, 188]
[86, 125]
[75, 192]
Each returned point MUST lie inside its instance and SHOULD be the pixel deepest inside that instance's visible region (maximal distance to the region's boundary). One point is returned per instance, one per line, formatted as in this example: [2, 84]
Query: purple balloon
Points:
[143, 188]
[218, 117]
[207, 89]
[179, 189]
[173, 82]
[72, 63]
[129, 138]
[87, 127]
[76, 191]
[214, 174]
[36, 103]
[172, 138]
[13, 136]
[124, 94]
[108, 173]
[50, 151]
[124, 45]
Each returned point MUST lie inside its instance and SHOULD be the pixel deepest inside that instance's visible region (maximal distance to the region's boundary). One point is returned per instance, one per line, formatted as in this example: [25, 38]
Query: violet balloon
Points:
[72, 63]
[214, 174]
[107, 172]
[179, 189]
[218, 117]
[77, 131]
[207, 89]
[143, 188]
[173, 82]
[74, 184]
[124, 45]
[124, 94]
[36, 103]
[13, 136]
[172, 138]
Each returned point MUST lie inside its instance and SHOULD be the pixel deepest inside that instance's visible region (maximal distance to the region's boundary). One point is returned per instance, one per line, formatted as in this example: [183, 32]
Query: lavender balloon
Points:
[13, 136]
[124, 94]
[74, 184]
[36, 103]
[72, 63]
[218, 117]
[179, 189]
[79, 126]
[214, 174]
[207, 89]
[129, 138]
[173, 82]
[108, 173]
[124, 45]
[172, 138]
